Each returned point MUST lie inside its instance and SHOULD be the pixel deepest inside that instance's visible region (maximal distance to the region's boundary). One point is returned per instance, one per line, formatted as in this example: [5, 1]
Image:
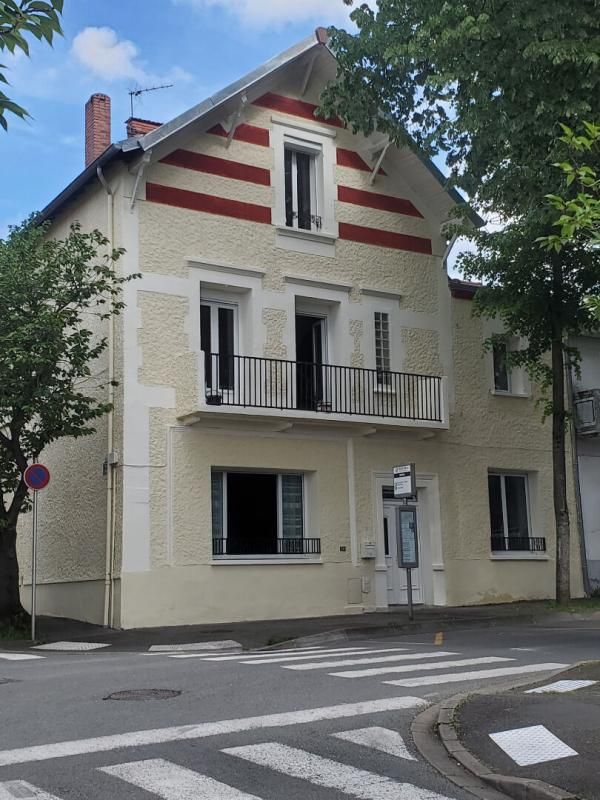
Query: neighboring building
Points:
[292, 338]
[586, 387]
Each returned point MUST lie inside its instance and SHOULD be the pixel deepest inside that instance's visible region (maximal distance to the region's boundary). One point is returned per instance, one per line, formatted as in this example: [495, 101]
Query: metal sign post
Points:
[36, 478]
[408, 550]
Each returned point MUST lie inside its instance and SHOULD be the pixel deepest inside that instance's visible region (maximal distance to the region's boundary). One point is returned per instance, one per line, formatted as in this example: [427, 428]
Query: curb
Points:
[395, 628]
[516, 788]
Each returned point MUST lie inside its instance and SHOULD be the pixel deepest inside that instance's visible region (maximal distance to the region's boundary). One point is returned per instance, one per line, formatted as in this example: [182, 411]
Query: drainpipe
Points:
[577, 485]
[110, 477]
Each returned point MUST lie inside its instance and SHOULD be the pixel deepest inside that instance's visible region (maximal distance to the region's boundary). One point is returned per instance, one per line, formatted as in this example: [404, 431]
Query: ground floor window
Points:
[259, 514]
[510, 513]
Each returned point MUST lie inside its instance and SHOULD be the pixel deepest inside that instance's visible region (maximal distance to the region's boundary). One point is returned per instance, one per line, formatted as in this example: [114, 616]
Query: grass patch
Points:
[12, 634]
[582, 604]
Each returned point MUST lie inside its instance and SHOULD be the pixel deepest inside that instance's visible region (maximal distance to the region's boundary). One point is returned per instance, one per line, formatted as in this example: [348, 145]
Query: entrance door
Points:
[395, 516]
[217, 339]
[310, 352]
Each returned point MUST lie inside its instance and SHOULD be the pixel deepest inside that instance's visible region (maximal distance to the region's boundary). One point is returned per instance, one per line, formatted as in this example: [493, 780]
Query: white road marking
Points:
[428, 680]
[19, 656]
[172, 782]
[224, 644]
[11, 789]
[377, 738]
[330, 774]
[351, 662]
[272, 658]
[178, 733]
[76, 647]
[532, 745]
[561, 687]
[463, 662]
[255, 654]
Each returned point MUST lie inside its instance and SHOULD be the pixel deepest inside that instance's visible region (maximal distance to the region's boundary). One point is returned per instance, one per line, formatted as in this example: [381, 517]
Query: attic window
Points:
[303, 186]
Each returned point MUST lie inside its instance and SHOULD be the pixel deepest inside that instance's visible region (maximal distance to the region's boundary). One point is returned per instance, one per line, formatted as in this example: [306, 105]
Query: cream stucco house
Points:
[293, 337]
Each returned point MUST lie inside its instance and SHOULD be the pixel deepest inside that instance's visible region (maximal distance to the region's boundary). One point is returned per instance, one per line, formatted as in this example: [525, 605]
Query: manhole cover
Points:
[144, 694]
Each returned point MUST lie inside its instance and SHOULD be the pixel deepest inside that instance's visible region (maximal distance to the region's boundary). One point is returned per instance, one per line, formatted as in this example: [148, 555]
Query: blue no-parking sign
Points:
[36, 477]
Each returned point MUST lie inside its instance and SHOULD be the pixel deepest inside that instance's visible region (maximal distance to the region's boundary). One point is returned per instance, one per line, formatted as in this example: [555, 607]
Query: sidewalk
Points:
[274, 632]
[540, 741]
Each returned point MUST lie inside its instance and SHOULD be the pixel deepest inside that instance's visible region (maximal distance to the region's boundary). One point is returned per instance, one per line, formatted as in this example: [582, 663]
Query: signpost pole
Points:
[34, 564]
[409, 593]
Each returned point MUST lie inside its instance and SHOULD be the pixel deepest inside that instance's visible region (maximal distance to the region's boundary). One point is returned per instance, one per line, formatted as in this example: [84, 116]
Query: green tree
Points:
[484, 82]
[50, 293]
[17, 19]
[579, 215]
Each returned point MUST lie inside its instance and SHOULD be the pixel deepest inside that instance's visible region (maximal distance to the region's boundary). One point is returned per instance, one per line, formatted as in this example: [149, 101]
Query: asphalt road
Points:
[264, 729]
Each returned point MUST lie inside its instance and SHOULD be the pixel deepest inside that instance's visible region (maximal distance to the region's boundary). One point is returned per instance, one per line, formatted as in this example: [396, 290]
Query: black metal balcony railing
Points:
[253, 382]
[536, 544]
[254, 547]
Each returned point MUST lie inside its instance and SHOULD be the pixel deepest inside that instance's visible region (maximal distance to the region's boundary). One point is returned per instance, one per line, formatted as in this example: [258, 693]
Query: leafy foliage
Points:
[51, 290]
[17, 19]
[483, 81]
[579, 216]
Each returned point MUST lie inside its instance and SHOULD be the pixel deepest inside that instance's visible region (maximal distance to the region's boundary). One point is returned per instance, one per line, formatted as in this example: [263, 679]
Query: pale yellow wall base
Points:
[207, 594]
[81, 600]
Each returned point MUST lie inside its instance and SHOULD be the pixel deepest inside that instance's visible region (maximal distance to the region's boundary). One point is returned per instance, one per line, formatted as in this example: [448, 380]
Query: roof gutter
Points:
[88, 174]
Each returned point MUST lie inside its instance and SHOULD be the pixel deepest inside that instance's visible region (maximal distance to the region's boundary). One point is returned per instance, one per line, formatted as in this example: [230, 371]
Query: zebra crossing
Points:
[395, 666]
[278, 761]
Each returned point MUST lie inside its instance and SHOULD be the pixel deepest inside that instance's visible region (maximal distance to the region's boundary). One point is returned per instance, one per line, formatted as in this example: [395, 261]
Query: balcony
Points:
[502, 544]
[270, 547]
[313, 393]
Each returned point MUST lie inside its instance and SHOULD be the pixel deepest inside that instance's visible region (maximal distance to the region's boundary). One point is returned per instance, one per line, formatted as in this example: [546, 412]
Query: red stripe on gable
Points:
[218, 166]
[297, 108]
[245, 133]
[210, 204]
[383, 202]
[398, 241]
[350, 158]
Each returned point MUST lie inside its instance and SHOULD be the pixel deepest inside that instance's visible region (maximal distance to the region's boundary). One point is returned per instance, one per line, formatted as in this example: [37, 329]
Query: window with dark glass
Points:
[502, 382]
[509, 513]
[301, 204]
[259, 513]
[217, 340]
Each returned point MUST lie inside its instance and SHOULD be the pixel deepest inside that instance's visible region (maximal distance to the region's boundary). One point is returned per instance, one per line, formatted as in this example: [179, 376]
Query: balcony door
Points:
[311, 347]
[218, 337]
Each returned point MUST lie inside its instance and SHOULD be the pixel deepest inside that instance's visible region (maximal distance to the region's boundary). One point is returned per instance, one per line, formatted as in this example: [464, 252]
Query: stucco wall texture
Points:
[174, 578]
[72, 510]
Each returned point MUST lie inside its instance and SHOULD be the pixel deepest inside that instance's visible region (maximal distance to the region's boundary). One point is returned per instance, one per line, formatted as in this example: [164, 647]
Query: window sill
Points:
[236, 561]
[499, 393]
[323, 237]
[517, 555]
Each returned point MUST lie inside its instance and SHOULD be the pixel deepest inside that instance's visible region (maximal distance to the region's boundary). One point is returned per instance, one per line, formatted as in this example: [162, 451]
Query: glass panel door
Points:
[217, 340]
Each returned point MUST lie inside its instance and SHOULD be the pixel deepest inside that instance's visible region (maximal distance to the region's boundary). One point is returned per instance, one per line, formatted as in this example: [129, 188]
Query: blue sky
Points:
[112, 46]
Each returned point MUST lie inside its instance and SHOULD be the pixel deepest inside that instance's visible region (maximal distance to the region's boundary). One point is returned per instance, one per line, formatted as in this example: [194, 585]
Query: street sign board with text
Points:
[405, 483]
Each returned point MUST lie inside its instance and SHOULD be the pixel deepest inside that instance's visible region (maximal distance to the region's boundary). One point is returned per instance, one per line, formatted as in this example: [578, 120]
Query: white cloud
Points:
[265, 13]
[102, 52]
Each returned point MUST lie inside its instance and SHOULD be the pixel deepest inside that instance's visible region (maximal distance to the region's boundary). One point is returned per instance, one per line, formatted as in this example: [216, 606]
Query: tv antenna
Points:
[134, 93]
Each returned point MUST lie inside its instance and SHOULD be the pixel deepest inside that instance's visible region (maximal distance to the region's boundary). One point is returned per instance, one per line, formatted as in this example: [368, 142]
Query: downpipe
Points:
[110, 476]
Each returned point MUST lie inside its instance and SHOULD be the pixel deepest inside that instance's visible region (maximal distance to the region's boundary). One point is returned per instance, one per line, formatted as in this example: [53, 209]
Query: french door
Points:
[218, 338]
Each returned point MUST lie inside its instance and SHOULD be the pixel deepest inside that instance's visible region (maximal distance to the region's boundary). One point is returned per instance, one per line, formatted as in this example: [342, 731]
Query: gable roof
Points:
[252, 83]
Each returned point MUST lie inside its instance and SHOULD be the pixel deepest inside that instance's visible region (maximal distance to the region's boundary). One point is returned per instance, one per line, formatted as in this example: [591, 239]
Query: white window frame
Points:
[383, 384]
[503, 476]
[214, 322]
[268, 557]
[518, 380]
[318, 141]
[316, 181]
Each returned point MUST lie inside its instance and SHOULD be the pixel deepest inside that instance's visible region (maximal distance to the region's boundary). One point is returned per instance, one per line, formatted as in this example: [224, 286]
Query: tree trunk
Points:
[561, 509]
[11, 610]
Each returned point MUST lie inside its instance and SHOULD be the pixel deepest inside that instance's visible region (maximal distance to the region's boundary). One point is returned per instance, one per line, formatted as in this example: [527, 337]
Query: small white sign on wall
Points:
[405, 484]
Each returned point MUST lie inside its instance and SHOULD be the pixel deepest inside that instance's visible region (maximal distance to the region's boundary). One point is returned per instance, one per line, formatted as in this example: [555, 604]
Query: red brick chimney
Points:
[97, 126]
